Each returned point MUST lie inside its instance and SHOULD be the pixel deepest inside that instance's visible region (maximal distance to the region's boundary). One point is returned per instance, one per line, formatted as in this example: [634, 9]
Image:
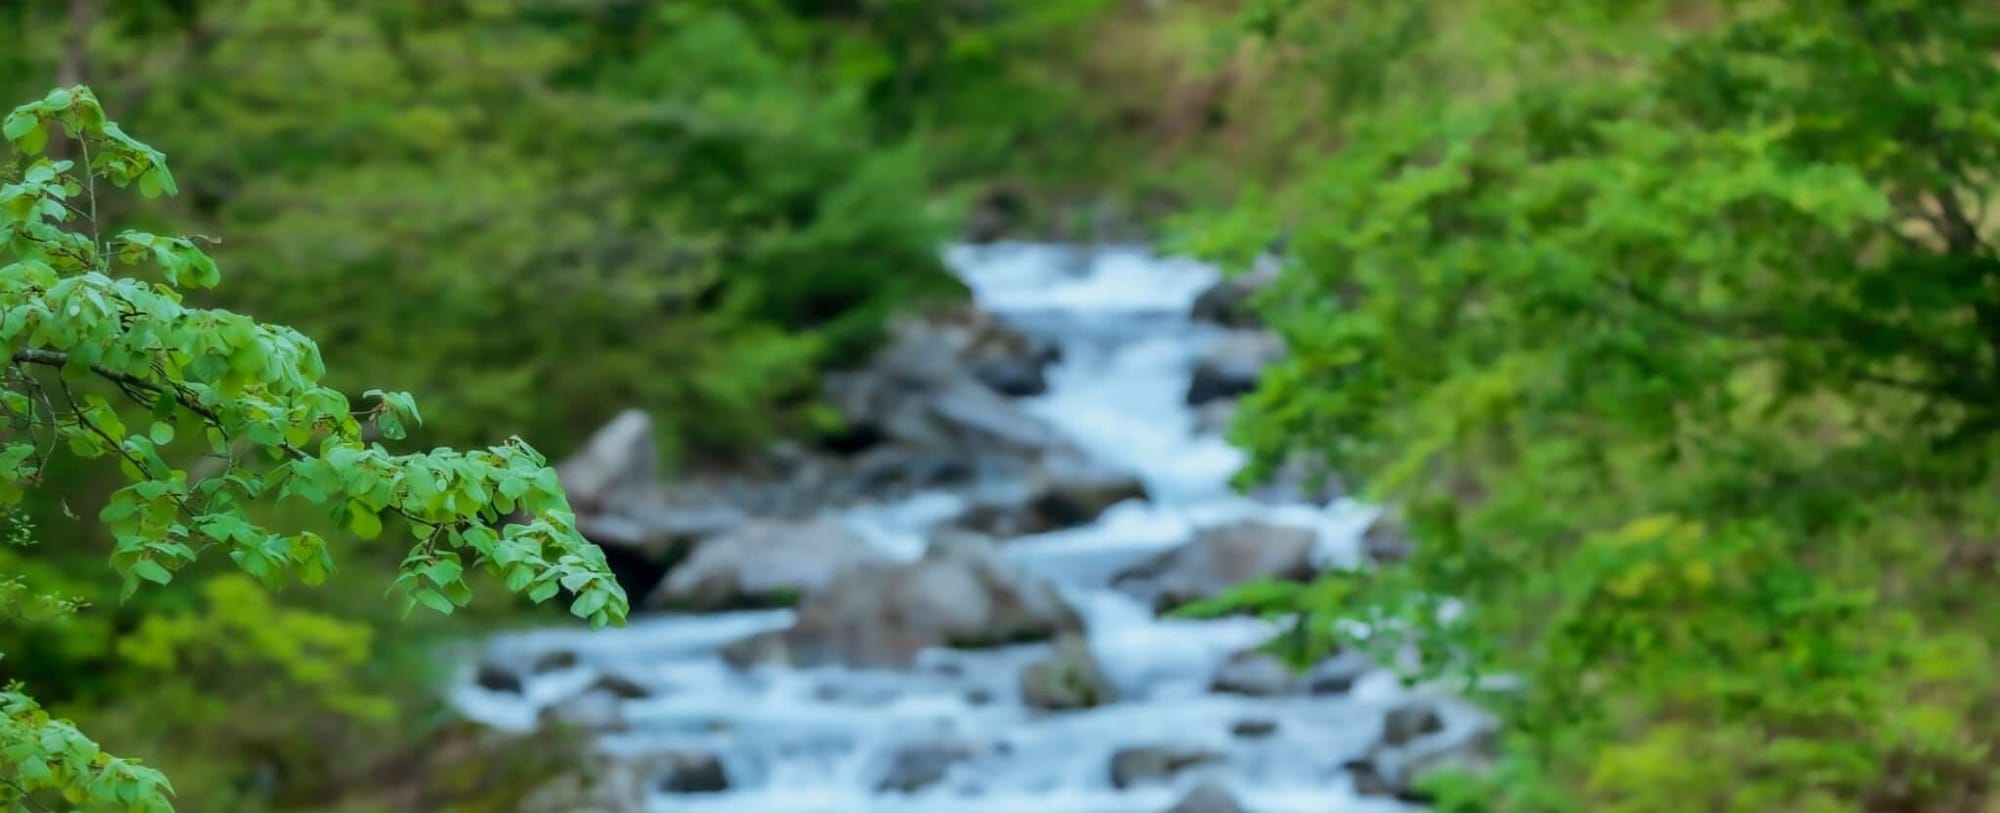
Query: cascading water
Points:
[822, 740]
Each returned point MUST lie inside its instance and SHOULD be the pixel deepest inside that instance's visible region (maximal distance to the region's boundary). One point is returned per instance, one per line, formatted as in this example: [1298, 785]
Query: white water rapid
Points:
[821, 740]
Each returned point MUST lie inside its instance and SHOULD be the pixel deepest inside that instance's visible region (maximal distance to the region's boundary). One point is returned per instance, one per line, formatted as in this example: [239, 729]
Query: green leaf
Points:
[151, 571]
[162, 433]
[364, 522]
[543, 591]
[589, 602]
[434, 600]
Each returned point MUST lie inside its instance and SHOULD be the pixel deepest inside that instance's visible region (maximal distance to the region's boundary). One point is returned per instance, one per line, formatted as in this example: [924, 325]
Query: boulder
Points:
[1219, 558]
[613, 488]
[592, 710]
[1230, 301]
[1207, 798]
[1405, 723]
[1076, 491]
[1067, 678]
[1233, 366]
[1386, 541]
[958, 595]
[618, 468]
[942, 383]
[1213, 418]
[1337, 674]
[920, 765]
[1064, 492]
[1255, 674]
[691, 772]
[766, 563]
[495, 678]
[1156, 763]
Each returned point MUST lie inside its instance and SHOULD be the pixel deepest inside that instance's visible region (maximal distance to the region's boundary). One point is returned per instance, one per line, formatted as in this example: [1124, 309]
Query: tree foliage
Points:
[107, 361]
[1674, 332]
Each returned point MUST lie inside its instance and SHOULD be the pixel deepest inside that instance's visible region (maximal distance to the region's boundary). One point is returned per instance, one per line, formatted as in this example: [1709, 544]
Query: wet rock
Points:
[556, 661]
[767, 563]
[1065, 491]
[1254, 728]
[921, 765]
[1213, 418]
[1156, 763]
[621, 687]
[1386, 541]
[1255, 674]
[1338, 674]
[692, 772]
[1230, 301]
[494, 678]
[1219, 558]
[959, 595]
[1405, 723]
[1067, 678]
[1076, 492]
[1367, 779]
[1207, 798]
[1013, 377]
[767, 648]
[590, 710]
[1473, 754]
[939, 384]
[1233, 366]
[617, 469]
[1397, 771]
[620, 505]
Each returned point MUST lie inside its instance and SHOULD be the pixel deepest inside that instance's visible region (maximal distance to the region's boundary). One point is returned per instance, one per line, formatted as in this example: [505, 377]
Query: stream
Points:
[826, 739]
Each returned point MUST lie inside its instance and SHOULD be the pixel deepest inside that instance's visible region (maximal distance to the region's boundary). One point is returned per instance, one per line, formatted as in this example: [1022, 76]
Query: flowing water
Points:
[821, 740]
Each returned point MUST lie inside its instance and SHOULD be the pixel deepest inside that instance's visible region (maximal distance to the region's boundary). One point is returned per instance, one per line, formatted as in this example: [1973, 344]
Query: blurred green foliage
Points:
[106, 361]
[1673, 330]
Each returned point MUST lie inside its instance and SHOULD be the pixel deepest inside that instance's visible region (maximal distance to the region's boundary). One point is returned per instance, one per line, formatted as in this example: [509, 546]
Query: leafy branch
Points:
[76, 312]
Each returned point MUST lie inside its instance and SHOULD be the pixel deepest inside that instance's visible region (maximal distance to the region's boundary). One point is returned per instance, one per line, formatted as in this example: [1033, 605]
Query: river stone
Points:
[1386, 541]
[555, 661]
[1156, 763]
[924, 388]
[1219, 558]
[617, 469]
[959, 595]
[594, 710]
[621, 687]
[1337, 674]
[1065, 491]
[494, 678]
[1067, 678]
[1255, 728]
[1207, 797]
[1233, 366]
[767, 563]
[1254, 674]
[1229, 302]
[1213, 417]
[692, 772]
[1409, 721]
[921, 765]
[1077, 492]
